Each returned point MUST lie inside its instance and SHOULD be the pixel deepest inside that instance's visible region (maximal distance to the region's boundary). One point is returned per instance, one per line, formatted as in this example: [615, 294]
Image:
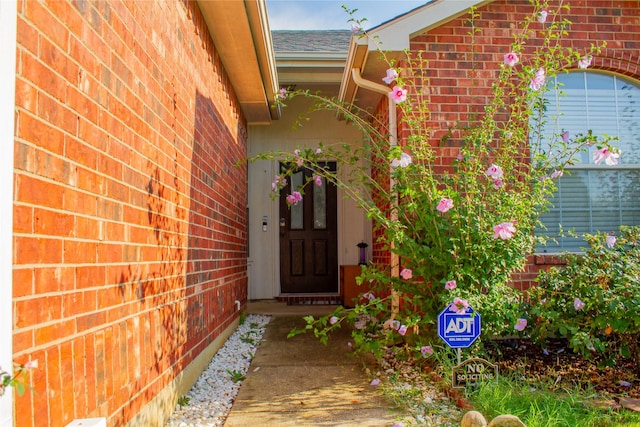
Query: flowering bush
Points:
[18, 379]
[593, 301]
[456, 234]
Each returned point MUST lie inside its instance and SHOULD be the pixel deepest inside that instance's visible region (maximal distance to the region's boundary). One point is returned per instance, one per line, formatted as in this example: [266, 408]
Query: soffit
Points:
[241, 34]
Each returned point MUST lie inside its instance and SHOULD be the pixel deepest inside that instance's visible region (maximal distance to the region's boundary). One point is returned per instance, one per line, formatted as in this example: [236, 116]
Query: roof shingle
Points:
[311, 40]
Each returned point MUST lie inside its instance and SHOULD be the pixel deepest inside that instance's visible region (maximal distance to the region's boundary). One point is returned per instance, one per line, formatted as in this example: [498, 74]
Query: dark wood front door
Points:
[308, 236]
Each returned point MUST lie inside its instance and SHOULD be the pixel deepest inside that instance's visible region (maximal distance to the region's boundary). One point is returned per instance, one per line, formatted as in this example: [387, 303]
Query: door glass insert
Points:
[320, 206]
[297, 212]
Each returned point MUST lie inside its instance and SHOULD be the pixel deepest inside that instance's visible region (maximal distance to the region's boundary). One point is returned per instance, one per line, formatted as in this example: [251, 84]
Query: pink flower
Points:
[497, 183]
[31, 364]
[609, 157]
[317, 179]
[520, 324]
[494, 171]
[578, 304]
[318, 150]
[355, 28]
[565, 136]
[395, 324]
[333, 320]
[294, 198]
[375, 382]
[398, 94]
[584, 62]
[556, 174]
[369, 296]
[459, 305]
[444, 205]
[426, 349]
[300, 161]
[402, 330]
[450, 285]
[611, 241]
[278, 183]
[504, 230]
[538, 80]
[542, 16]
[511, 59]
[391, 76]
[283, 93]
[406, 274]
[404, 161]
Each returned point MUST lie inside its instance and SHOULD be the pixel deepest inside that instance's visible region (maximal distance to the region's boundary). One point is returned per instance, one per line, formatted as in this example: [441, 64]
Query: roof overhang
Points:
[310, 68]
[241, 34]
[393, 37]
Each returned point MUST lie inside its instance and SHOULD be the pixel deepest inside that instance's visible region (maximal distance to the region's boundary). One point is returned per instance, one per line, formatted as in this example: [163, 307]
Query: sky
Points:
[329, 15]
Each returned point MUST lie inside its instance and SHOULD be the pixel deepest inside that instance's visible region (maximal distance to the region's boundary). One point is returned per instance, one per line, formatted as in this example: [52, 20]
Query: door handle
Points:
[283, 222]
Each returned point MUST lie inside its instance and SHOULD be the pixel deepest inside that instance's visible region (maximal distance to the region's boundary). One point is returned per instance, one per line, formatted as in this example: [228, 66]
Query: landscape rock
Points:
[506, 421]
[630, 403]
[473, 419]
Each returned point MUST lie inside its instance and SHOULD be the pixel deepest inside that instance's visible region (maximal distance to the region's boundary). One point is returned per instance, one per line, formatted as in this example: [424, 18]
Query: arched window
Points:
[592, 197]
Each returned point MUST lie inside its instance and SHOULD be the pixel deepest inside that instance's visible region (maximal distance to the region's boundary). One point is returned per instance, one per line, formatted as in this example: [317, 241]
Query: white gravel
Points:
[211, 397]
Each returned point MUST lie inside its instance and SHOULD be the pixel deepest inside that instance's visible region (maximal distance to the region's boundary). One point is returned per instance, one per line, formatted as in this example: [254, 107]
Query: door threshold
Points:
[319, 299]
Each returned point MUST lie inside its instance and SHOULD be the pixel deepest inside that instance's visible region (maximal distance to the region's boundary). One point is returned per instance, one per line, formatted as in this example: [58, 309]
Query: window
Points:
[592, 197]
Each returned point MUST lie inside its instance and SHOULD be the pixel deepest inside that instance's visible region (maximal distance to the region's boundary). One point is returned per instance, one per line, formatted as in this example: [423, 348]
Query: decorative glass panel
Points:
[320, 206]
[297, 211]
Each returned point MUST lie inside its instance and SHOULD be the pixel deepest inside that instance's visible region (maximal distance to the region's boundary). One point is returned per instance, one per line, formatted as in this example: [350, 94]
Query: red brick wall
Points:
[130, 226]
[456, 88]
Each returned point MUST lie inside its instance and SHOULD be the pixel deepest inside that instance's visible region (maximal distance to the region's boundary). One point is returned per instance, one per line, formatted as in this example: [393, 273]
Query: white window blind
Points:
[592, 197]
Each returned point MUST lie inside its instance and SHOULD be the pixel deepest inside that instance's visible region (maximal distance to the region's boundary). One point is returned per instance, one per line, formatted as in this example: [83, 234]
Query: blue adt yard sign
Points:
[458, 330]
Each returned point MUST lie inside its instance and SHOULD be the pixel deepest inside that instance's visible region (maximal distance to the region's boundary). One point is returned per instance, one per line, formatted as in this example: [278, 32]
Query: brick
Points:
[52, 223]
[89, 369]
[53, 386]
[100, 373]
[77, 252]
[53, 332]
[40, 133]
[79, 202]
[79, 379]
[22, 219]
[37, 250]
[55, 58]
[27, 35]
[26, 95]
[90, 276]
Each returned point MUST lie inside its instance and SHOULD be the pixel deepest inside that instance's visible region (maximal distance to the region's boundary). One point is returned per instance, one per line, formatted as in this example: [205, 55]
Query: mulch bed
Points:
[563, 368]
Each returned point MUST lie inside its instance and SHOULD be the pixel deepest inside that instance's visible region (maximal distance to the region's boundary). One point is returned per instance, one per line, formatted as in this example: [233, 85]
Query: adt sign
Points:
[458, 330]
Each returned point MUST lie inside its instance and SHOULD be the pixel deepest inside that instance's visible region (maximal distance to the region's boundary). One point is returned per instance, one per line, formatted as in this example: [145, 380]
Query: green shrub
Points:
[594, 300]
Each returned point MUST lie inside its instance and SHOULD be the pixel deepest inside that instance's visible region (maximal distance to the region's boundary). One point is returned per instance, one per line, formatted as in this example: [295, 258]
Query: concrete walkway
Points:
[301, 382]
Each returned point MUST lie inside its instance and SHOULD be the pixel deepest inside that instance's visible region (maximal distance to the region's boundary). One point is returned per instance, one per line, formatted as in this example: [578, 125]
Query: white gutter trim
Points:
[368, 84]
[393, 141]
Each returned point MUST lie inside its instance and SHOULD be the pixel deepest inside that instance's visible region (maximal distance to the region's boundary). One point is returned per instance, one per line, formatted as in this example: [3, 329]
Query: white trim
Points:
[8, 16]
[395, 35]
